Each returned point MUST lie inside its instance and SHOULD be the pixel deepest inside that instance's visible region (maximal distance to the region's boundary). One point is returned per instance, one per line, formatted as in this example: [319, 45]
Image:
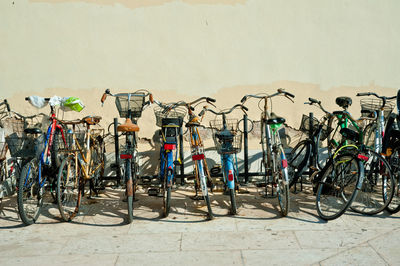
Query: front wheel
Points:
[298, 159]
[30, 193]
[68, 188]
[377, 187]
[394, 162]
[338, 186]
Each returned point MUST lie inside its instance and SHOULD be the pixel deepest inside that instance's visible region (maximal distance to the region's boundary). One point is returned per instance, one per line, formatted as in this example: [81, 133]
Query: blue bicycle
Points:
[228, 142]
[170, 118]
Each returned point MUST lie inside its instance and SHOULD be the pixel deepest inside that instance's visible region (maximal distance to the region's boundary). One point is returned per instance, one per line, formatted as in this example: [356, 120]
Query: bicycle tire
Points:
[282, 182]
[167, 201]
[369, 135]
[299, 157]
[30, 194]
[377, 187]
[394, 205]
[68, 189]
[321, 162]
[232, 195]
[129, 182]
[204, 188]
[338, 186]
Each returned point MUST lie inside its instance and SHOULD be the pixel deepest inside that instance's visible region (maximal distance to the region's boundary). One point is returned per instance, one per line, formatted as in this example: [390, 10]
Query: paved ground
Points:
[256, 236]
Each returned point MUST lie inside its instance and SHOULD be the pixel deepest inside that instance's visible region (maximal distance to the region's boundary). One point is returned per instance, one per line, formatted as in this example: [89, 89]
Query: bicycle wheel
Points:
[377, 187]
[129, 189]
[68, 188]
[203, 184]
[394, 160]
[30, 193]
[232, 195]
[369, 135]
[281, 180]
[298, 159]
[338, 186]
[323, 153]
[166, 188]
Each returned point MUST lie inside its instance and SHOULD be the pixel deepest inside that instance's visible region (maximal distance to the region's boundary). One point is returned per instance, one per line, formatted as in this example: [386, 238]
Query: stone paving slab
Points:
[258, 235]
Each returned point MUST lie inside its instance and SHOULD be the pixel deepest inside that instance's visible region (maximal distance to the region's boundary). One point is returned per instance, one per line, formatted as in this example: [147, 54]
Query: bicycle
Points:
[130, 107]
[84, 162]
[308, 152]
[274, 158]
[16, 143]
[228, 141]
[169, 117]
[202, 175]
[37, 173]
[355, 176]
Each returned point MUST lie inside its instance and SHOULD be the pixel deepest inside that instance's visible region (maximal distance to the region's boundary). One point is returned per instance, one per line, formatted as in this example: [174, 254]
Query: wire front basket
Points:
[374, 105]
[136, 104]
[178, 113]
[305, 127]
[226, 140]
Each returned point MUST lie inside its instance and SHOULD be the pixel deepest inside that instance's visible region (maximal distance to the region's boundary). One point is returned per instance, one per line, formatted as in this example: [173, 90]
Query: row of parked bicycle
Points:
[352, 163]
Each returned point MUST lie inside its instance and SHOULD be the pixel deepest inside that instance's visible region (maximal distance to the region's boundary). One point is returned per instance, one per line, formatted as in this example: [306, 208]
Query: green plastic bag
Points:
[73, 103]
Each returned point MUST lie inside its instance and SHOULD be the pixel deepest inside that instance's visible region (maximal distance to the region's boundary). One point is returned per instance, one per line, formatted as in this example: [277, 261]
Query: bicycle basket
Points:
[305, 127]
[25, 146]
[136, 103]
[175, 116]
[374, 105]
[229, 140]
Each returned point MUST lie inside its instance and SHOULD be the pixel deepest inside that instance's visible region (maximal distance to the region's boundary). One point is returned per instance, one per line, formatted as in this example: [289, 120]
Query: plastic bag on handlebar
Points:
[72, 104]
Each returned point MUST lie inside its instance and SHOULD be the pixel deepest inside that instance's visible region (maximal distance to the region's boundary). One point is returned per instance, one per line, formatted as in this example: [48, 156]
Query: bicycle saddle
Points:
[33, 130]
[91, 120]
[343, 101]
[276, 120]
[128, 126]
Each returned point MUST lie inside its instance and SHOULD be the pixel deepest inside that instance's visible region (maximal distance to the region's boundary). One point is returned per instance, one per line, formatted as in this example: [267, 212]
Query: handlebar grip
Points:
[314, 100]
[103, 98]
[363, 94]
[192, 108]
[211, 100]
[151, 98]
[202, 112]
[243, 99]
[26, 98]
[245, 108]
[7, 105]
[289, 94]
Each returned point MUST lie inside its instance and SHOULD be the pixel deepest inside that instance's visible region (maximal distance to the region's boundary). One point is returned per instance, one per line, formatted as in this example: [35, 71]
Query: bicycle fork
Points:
[229, 171]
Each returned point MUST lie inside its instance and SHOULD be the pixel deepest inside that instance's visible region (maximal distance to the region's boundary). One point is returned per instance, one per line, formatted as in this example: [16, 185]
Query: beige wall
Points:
[189, 48]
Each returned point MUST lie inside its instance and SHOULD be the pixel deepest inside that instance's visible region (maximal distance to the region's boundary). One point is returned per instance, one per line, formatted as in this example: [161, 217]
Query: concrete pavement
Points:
[258, 235]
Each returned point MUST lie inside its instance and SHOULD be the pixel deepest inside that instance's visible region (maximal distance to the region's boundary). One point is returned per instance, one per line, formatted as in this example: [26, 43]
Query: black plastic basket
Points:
[178, 113]
[136, 103]
[368, 106]
[305, 127]
[25, 146]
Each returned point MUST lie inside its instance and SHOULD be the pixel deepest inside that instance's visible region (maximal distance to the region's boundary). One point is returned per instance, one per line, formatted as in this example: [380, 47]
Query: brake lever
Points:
[289, 98]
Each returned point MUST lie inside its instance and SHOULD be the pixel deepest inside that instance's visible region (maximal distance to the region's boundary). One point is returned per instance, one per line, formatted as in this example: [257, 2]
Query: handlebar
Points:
[315, 101]
[244, 108]
[170, 106]
[140, 92]
[383, 98]
[280, 91]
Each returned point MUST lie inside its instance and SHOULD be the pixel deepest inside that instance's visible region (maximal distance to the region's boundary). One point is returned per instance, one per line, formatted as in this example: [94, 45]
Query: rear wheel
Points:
[377, 187]
[68, 188]
[338, 186]
[369, 135]
[30, 194]
[167, 201]
[281, 180]
[233, 201]
[129, 190]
